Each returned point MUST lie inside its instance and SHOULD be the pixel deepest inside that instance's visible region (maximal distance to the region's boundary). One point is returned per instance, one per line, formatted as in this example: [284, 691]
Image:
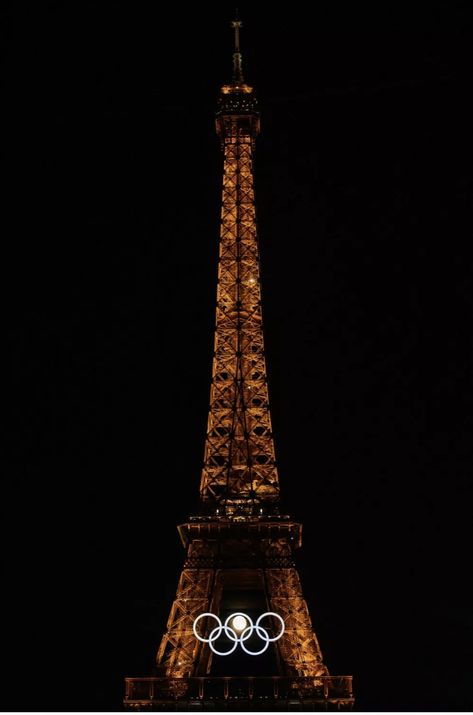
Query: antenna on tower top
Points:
[237, 68]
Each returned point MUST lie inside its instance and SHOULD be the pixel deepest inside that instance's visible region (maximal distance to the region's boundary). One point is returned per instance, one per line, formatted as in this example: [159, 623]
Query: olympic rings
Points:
[246, 633]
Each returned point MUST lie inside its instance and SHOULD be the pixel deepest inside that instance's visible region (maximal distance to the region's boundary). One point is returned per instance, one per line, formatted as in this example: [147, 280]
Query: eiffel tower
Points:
[239, 634]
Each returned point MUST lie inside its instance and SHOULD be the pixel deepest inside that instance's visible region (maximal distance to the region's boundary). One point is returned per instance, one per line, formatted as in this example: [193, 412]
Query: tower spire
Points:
[239, 472]
[237, 59]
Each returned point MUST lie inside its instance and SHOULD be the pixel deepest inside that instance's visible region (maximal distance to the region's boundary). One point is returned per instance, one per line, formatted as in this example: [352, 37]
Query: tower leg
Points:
[300, 650]
[179, 651]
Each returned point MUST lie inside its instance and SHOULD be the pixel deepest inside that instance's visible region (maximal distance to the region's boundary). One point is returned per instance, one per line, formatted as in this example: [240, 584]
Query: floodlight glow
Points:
[239, 623]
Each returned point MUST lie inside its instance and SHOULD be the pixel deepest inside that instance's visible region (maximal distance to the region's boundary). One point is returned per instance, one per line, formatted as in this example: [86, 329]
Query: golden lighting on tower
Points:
[239, 548]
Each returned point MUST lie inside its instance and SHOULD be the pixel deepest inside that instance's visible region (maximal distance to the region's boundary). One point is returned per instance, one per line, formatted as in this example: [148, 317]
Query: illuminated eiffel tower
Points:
[239, 634]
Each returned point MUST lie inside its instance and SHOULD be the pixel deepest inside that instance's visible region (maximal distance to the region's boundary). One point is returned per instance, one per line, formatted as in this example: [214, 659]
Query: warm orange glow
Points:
[239, 454]
[229, 88]
[239, 544]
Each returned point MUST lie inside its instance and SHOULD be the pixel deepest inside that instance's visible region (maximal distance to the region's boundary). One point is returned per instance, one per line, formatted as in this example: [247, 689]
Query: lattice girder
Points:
[179, 648]
[239, 459]
[300, 649]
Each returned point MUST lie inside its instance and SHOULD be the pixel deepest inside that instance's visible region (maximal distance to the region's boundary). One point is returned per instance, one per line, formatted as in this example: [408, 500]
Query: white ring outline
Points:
[271, 613]
[247, 618]
[246, 633]
[234, 637]
[265, 638]
[203, 615]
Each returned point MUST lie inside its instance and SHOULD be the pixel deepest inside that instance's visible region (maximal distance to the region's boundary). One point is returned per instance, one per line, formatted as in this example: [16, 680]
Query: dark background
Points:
[111, 212]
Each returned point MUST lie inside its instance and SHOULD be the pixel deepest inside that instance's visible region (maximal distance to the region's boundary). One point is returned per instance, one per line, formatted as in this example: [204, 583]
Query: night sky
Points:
[364, 197]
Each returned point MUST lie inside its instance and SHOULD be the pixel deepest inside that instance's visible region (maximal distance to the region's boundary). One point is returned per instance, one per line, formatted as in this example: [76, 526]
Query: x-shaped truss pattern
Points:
[300, 650]
[239, 459]
[178, 652]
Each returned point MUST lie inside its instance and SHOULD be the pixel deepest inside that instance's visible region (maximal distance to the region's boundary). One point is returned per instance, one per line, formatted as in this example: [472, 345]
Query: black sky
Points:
[364, 189]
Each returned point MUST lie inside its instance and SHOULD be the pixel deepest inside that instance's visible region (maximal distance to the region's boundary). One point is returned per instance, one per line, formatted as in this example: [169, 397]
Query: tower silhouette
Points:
[239, 634]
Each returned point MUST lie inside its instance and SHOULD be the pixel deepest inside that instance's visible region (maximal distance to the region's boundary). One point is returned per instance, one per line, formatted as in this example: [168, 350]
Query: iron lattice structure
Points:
[239, 461]
[251, 554]
[240, 550]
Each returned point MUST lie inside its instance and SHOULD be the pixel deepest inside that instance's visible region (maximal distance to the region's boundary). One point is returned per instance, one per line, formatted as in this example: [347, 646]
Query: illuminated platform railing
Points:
[328, 692]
